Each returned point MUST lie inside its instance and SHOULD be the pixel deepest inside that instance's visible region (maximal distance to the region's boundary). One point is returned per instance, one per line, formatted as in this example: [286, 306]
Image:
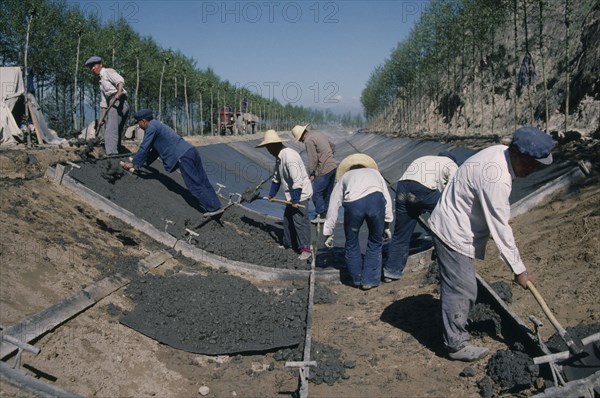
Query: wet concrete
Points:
[512, 370]
[161, 198]
[216, 314]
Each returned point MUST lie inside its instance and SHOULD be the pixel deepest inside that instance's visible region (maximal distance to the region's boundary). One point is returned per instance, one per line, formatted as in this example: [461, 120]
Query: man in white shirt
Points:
[290, 174]
[114, 97]
[475, 205]
[417, 191]
[363, 192]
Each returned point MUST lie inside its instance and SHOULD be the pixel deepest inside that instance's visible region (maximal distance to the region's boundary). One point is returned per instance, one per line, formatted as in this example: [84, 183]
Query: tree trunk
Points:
[74, 106]
[159, 116]
[517, 63]
[541, 34]
[137, 81]
[567, 75]
[187, 109]
[175, 105]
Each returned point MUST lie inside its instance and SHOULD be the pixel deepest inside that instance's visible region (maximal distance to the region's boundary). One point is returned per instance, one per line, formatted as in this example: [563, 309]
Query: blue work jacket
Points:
[161, 141]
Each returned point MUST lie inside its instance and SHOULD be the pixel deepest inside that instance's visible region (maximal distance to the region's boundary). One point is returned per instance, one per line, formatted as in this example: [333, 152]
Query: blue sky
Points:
[309, 53]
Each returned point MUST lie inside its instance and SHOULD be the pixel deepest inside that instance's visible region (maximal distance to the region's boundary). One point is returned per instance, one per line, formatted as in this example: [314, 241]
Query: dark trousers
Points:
[412, 199]
[322, 187]
[197, 182]
[370, 209]
[296, 227]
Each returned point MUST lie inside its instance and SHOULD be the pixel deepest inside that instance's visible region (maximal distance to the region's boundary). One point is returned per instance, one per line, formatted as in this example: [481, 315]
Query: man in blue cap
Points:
[474, 206]
[113, 103]
[161, 141]
[417, 191]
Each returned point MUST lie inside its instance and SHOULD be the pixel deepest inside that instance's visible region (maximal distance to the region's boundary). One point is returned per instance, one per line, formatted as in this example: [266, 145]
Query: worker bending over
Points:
[290, 174]
[475, 205]
[361, 189]
[175, 152]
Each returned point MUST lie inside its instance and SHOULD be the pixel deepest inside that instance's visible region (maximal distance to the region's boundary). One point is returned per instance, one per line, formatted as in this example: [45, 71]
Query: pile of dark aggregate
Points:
[216, 314]
[556, 344]
[512, 370]
[331, 367]
[484, 321]
[161, 199]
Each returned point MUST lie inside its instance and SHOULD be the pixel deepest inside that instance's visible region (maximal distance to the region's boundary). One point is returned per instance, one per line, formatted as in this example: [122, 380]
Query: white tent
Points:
[12, 89]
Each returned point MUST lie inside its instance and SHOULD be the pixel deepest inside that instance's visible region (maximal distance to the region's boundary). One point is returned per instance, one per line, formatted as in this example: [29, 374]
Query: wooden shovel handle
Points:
[561, 331]
[284, 201]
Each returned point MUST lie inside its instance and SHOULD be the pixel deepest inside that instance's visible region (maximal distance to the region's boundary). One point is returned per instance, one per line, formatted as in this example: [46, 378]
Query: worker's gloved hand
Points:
[270, 197]
[387, 234]
[329, 241]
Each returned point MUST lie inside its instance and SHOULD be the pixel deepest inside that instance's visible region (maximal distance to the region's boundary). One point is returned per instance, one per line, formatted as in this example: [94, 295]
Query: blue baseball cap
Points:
[533, 142]
[93, 60]
[143, 114]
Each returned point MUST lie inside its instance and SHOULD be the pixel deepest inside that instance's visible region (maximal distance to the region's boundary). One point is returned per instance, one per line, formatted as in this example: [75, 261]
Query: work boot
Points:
[318, 220]
[215, 214]
[469, 353]
[304, 256]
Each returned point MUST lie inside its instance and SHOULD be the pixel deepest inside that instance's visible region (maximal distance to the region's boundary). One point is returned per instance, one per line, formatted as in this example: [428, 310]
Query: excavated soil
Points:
[385, 342]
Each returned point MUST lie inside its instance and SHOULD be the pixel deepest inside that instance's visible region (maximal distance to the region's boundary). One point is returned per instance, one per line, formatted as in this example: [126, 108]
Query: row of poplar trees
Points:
[52, 39]
[472, 67]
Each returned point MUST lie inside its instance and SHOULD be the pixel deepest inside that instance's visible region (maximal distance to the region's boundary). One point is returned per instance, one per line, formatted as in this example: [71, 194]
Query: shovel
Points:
[250, 195]
[575, 348]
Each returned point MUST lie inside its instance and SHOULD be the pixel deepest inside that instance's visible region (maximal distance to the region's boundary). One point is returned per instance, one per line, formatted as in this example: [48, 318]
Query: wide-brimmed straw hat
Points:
[354, 160]
[298, 130]
[271, 137]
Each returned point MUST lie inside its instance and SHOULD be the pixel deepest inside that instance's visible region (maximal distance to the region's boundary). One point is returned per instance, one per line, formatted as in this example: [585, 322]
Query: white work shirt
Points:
[291, 174]
[475, 204]
[356, 184]
[433, 172]
[109, 81]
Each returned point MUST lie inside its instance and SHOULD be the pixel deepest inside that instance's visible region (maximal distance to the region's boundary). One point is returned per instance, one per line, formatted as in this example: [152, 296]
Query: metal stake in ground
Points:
[304, 370]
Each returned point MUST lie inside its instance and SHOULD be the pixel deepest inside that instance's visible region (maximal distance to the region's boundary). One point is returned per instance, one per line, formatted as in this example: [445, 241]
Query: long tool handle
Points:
[283, 201]
[574, 348]
[110, 105]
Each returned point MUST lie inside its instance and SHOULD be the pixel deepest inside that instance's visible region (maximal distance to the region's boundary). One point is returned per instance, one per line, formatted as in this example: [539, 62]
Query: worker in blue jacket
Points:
[161, 141]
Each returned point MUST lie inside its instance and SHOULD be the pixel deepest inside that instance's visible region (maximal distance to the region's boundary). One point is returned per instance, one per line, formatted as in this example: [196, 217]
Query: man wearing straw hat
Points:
[363, 192]
[417, 191]
[321, 167]
[290, 174]
[473, 206]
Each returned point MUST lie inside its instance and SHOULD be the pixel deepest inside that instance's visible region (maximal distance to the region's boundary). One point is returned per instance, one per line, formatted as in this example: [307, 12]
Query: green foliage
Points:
[55, 29]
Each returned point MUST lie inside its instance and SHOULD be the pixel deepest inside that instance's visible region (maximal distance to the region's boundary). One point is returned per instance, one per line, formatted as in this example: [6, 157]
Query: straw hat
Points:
[271, 137]
[297, 131]
[354, 160]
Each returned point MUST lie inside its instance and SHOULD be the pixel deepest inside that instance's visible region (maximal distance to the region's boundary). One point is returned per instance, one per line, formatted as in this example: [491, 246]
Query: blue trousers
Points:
[296, 227]
[412, 199]
[196, 180]
[322, 187]
[370, 209]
